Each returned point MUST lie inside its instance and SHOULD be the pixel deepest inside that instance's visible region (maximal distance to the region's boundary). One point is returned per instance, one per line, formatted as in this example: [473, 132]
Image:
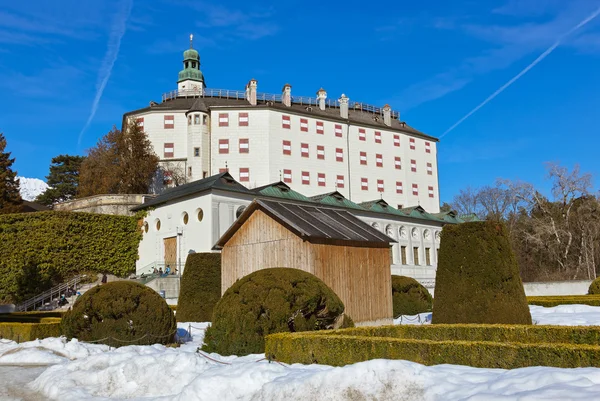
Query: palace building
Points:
[313, 144]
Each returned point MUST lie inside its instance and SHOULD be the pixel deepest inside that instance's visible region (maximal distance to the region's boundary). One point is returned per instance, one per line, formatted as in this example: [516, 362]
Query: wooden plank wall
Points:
[360, 276]
[262, 243]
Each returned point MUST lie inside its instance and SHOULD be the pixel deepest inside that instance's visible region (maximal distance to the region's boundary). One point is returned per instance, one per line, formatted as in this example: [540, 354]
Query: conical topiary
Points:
[594, 287]
[200, 287]
[477, 278]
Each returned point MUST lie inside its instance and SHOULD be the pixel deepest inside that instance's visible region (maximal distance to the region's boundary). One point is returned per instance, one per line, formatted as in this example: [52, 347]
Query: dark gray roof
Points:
[360, 117]
[220, 181]
[316, 224]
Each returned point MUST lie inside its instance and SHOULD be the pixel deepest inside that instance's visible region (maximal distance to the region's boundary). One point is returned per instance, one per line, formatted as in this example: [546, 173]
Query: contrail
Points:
[529, 67]
[114, 44]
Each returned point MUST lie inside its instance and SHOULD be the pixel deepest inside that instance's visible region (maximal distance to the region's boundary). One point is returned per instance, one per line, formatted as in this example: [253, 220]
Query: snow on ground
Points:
[83, 371]
[30, 188]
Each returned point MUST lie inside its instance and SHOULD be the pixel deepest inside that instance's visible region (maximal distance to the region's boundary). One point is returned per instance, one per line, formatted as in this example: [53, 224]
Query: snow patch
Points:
[31, 188]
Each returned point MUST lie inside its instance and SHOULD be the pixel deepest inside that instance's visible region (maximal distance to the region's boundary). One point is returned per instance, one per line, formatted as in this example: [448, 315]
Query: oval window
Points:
[200, 214]
[185, 218]
[157, 225]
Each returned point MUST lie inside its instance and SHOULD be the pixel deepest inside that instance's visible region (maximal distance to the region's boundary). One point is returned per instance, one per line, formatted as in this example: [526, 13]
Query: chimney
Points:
[321, 96]
[387, 115]
[343, 106]
[286, 95]
[251, 91]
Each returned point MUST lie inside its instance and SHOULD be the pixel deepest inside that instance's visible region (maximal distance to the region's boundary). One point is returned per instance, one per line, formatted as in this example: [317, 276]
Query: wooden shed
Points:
[349, 255]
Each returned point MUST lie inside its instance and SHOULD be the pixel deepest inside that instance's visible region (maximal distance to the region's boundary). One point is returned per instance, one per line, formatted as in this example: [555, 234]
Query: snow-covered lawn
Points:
[80, 371]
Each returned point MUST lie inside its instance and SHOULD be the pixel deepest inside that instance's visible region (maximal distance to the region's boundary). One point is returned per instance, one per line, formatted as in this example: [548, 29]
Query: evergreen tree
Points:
[120, 163]
[63, 179]
[10, 198]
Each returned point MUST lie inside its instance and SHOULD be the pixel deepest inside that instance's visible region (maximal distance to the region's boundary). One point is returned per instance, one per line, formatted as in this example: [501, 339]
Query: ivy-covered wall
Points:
[38, 250]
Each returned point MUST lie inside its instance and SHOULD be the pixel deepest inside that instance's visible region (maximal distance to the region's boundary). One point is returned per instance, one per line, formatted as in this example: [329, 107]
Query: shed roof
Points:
[316, 224]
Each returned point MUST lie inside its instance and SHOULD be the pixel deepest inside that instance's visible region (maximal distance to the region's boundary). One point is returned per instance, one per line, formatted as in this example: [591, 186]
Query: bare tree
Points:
[467, 202]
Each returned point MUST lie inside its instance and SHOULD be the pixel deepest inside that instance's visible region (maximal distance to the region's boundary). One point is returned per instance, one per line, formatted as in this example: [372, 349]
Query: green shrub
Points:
[200, 287]
[120, 313]
[552, 300]
[38, 250]
[409, 297]
[477, 278]
[334, 349]
[594, 287]
[270, 301]
[21, 332]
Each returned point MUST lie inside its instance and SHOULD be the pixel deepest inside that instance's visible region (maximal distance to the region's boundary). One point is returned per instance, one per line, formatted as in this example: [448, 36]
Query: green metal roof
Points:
[281, 190]
[335, 199]
[380, 206]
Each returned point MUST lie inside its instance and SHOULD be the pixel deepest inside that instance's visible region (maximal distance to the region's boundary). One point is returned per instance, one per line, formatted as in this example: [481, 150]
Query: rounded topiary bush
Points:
[477, 278]
[270, 301]
[409, 297]
[200, 287]
[594, 287]
[120, 313]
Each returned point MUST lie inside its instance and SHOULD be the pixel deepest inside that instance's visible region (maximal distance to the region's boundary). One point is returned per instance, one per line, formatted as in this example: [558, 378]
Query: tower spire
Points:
[191, 41]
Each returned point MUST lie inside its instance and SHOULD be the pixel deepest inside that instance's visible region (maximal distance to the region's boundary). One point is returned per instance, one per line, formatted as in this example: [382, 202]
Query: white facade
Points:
[365, 153]
[219, 210]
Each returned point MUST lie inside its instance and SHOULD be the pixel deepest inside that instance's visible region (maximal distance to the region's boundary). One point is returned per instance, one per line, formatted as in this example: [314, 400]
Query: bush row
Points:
[334, 350]
[30, 331]
[530, 334]
[550, 301]
[38, 250]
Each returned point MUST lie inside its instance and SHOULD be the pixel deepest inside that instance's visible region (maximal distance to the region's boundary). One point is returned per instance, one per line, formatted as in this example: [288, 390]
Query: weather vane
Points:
[191, 41]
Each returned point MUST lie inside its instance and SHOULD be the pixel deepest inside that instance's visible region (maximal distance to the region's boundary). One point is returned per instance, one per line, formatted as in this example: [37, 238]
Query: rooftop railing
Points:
[270, 97]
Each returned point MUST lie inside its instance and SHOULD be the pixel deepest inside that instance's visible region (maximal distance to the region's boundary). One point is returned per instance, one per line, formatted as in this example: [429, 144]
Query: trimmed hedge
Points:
[477, 279]
[334, 350]
[555, 300]
[594, 287]
[21, 332]
[270, 301]
[38, 250]
[200, 287]
[120, 313]
[409, 297]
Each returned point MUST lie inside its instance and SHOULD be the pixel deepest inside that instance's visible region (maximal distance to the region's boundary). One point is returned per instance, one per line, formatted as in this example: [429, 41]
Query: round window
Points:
[185, 218]
[157, 225]
[200, 214]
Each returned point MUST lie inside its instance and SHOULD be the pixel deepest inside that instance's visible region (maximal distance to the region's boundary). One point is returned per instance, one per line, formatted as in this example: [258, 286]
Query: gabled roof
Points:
[381, 206]
[316, 224]
[335, 199]
[280, 190]
[222, 181]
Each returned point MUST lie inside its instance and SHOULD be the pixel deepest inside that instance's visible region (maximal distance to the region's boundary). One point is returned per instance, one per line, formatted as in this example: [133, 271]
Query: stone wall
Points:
[114, 204]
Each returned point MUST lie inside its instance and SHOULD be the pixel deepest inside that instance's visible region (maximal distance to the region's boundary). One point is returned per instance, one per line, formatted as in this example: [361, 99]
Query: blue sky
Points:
[64, 63]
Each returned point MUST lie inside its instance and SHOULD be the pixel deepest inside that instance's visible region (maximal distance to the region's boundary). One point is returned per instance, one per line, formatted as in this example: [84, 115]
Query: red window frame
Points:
[427, 147]
[364, 184]
[413, 165]
[430, 191]
[223, 149]
[244, 149]
[287, 176]
[243, 119]
[377, 137]
[320, 128]
[320, 152]
[380, 186]
[140, 122]
[412, 144]
[339, 181]
[304, 124]
[429, 169]
[397, 162]
[339, 154]
[305, 178]
[169, 121]
[169, 145]
[304, 150]
[287, 151]
[286, 122]
[415, 189]
[223, 119]
[321, 179]
[363, 158]
[338, 130]
[379, 160]
[396, 140]
[362, 134]
[399, 187]
[223, 170]
[246, 172]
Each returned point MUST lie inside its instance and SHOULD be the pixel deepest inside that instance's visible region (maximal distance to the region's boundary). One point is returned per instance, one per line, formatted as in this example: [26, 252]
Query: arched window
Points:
[414, 233]
[402, 233]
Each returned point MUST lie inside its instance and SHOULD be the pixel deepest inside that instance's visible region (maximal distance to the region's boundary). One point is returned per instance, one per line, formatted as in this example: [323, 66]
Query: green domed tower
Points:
[191, 80]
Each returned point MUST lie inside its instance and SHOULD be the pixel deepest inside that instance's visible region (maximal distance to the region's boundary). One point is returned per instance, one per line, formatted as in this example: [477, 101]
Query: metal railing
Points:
[52, 294]
[271, 97]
